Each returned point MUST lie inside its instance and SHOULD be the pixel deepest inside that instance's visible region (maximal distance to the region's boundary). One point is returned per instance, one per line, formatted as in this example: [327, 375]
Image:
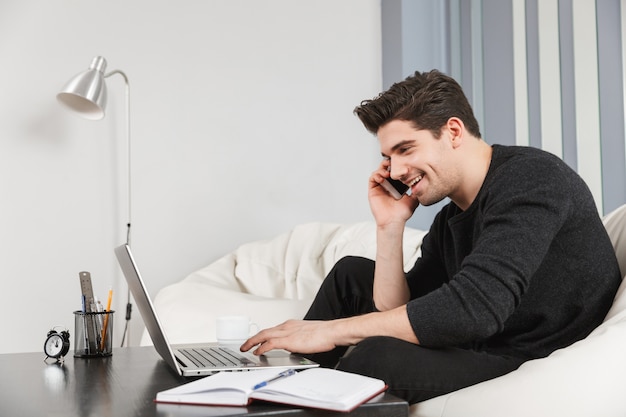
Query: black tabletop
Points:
[125, 384]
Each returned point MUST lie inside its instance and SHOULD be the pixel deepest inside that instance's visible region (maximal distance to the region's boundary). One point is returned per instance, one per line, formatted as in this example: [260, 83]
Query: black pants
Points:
[413, 372]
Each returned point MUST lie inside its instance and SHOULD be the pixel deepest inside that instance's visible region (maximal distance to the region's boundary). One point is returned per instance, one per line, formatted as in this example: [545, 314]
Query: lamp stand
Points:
[129, 306]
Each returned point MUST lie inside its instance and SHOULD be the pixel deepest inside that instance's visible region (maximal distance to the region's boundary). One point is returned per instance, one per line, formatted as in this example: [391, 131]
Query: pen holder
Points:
[93, 334]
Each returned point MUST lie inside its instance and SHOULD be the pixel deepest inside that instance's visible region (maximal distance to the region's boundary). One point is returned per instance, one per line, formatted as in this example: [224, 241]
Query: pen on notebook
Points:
[283, 374]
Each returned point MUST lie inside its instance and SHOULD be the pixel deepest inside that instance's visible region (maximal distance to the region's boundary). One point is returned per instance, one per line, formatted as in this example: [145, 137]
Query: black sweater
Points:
[527, 269]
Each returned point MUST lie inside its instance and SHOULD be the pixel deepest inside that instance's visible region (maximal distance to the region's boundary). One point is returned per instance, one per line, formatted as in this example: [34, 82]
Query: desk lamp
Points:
[86, 94]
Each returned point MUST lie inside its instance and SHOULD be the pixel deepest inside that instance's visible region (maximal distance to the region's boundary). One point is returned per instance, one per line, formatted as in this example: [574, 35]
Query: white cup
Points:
[234, 330]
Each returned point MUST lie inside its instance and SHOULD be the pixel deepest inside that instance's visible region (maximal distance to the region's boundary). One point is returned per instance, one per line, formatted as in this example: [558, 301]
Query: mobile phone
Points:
[395, 187]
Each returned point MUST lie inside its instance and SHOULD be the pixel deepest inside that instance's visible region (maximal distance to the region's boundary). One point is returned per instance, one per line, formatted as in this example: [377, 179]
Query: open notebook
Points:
[323, 388]
[194, 360]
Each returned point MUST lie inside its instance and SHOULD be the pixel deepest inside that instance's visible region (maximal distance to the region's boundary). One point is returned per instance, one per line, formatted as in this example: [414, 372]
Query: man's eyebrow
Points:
[396, 146]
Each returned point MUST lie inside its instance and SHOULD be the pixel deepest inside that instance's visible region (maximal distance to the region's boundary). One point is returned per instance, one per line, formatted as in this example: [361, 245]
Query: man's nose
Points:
[397, 172]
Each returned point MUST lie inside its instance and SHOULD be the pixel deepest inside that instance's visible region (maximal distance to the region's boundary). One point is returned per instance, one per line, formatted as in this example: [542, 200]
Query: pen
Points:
[98, 309]
[283, 374]
[84, 319]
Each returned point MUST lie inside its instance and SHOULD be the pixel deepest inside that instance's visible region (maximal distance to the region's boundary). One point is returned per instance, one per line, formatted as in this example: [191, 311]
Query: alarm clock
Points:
[57, 344]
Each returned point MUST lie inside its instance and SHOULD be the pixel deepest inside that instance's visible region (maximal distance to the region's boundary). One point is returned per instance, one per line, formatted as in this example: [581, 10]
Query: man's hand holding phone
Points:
[382, 186]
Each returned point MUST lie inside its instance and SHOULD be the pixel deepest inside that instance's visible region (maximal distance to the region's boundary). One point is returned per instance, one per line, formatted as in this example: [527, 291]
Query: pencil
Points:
[106, 321]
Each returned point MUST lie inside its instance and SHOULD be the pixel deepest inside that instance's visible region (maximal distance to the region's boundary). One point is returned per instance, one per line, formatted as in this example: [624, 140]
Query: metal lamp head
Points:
[86, 92]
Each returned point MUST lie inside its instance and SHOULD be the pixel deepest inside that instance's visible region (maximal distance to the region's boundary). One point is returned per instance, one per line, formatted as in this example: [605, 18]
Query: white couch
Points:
[274, 280]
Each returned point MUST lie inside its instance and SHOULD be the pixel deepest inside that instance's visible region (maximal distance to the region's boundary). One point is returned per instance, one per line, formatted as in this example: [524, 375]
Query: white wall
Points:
[242, 127]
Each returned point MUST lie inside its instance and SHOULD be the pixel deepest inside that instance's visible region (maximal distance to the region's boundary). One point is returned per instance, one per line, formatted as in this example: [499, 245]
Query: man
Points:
[517, 265]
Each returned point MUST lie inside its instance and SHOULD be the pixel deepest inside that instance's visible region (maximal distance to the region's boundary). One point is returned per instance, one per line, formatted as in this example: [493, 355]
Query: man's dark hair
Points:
[426, 99]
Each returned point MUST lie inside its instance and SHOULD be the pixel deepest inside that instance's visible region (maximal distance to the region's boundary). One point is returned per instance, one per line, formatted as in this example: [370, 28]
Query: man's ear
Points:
[455, 128]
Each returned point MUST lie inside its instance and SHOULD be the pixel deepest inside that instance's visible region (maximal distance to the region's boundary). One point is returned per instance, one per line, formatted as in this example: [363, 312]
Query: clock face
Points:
[53, 346]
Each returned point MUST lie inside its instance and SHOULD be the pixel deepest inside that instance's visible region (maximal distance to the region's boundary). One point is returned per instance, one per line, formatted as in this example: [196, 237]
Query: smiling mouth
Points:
[415, 181]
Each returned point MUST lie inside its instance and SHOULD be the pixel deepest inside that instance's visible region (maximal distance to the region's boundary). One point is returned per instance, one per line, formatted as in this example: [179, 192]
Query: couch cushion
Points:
[615, 223]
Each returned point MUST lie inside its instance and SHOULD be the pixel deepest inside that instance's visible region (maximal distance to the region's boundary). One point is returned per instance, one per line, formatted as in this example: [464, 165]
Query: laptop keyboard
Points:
[215, 357]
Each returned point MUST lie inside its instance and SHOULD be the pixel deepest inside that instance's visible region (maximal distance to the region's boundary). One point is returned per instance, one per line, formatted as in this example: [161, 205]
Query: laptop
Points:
[197, 360]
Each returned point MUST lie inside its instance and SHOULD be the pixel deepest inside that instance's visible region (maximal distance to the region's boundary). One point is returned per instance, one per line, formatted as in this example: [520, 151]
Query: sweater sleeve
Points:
[492, 251]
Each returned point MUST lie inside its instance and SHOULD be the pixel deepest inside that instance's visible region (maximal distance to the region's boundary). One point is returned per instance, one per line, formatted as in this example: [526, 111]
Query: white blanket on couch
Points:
[270, 281]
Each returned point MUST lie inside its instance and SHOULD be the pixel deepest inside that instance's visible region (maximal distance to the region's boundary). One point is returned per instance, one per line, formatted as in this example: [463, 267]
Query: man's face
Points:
[420, 160]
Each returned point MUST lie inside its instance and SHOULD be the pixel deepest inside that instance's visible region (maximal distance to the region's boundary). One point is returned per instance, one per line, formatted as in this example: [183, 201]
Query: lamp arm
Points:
[120, 72]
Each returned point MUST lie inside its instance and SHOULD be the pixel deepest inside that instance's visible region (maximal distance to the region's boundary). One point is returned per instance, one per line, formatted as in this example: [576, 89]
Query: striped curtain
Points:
[549, 74]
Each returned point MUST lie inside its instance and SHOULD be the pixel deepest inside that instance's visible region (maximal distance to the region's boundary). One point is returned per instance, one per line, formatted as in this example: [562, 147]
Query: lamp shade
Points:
[86, 92]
